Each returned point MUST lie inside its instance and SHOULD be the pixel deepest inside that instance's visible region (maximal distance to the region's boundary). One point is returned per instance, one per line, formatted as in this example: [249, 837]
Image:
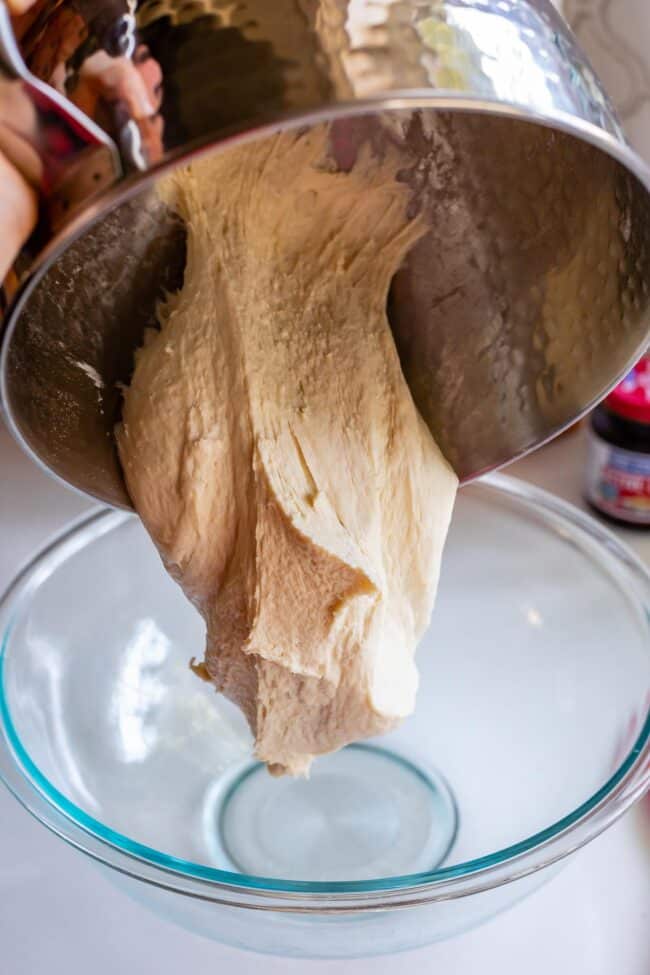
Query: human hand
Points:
[110, 90]
[18, 199]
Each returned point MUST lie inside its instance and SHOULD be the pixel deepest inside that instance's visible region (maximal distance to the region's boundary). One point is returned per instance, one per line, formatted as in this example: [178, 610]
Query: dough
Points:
[272, 449]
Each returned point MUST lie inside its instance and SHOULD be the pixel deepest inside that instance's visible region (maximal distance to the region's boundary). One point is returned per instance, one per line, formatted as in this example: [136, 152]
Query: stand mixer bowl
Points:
[520, 308]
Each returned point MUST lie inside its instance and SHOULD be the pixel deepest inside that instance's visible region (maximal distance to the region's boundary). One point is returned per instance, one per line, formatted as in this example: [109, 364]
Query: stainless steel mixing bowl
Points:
[520, 308]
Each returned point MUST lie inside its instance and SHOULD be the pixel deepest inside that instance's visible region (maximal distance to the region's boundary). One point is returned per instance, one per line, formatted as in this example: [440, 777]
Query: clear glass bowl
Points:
[531, 736]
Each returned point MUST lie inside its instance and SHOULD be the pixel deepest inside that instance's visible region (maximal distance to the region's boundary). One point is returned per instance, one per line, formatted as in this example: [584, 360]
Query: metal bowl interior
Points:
[523, 304]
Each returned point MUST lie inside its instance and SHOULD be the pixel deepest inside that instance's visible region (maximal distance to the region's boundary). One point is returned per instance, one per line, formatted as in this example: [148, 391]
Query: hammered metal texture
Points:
[523, 304]
[228, 65]
[530, 290]
[75, 341]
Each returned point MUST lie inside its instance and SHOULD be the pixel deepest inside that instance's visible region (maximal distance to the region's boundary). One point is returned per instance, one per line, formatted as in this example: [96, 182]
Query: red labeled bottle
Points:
[618, 460]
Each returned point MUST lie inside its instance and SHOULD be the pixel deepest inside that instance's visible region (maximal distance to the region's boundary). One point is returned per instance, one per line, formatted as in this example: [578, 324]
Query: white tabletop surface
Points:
[59, 915]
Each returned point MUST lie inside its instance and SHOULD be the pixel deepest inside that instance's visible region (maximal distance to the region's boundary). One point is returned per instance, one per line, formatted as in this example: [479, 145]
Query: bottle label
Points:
[618, 481]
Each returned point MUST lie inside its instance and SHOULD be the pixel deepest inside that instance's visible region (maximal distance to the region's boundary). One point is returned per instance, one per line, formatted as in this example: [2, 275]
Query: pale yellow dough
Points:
[273, 451]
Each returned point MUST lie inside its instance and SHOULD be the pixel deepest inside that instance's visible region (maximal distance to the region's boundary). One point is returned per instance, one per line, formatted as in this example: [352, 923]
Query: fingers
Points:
[151, 74]
[18, 212]
[131, 90]
[18, 200]
[17, 7]
[116, 79]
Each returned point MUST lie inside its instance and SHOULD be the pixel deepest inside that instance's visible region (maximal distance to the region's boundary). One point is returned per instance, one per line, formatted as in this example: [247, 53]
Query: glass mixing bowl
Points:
[531, 736]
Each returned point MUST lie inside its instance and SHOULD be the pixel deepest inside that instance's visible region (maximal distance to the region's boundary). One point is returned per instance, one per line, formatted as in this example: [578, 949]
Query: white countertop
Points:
[59, 915]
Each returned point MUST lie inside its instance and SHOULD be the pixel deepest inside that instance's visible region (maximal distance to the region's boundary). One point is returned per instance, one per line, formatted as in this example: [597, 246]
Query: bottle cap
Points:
[631, 398]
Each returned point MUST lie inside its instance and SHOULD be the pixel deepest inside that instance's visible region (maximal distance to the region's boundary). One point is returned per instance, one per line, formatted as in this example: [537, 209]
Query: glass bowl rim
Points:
[34, 791]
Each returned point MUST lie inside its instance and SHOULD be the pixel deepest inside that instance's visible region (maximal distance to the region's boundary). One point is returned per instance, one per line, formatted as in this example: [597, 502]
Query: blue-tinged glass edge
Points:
[197, 871]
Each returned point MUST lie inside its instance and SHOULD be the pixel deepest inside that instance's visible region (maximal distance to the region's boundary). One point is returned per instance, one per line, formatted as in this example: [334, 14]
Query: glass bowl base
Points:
[364, 812]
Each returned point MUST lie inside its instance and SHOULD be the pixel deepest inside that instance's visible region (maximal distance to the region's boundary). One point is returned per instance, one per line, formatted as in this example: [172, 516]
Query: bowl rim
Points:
[34, 791]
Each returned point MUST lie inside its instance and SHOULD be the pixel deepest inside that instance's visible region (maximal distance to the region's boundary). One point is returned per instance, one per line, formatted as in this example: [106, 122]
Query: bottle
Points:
[618, 459]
